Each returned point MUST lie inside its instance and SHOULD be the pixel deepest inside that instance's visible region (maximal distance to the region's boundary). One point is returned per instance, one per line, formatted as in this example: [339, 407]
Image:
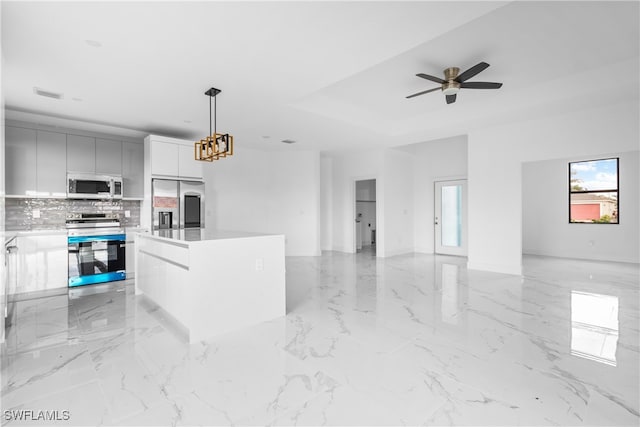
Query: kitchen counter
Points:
[198, 235]
[212, 281]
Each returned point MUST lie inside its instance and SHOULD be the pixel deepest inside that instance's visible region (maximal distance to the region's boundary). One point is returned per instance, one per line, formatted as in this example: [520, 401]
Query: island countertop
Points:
[201, 235]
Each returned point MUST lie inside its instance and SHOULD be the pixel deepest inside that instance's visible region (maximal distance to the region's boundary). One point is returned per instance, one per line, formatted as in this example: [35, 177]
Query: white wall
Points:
[326, 203]
[495, 172]
[269, 192]
[393, 171]
[366, 190]
[346, 169]
[397, 204]
[437, 160]
[545, 211]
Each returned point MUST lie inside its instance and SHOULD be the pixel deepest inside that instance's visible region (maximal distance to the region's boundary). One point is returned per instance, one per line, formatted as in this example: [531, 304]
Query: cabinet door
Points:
[133, 169]
[130, 257]
[42, 263]
[188, 167]
[164, 158]
[81, 154]
[108, 157]
[51, 163]
[20, 161]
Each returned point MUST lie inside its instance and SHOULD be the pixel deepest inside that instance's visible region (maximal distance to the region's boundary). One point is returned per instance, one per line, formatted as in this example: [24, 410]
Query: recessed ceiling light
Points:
[77, 99]
[187, 121]
[288, 141]
[266, 136]
[93, 43]
[47, 93]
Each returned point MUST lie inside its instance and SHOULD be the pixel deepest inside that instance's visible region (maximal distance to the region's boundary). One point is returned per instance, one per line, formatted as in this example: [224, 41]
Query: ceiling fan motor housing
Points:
[451, 86]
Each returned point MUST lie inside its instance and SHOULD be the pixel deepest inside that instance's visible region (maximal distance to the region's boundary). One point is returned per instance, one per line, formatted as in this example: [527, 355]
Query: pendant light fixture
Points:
[216, 145]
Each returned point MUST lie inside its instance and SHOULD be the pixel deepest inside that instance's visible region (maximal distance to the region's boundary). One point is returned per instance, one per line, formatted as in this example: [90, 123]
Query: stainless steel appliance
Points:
[191, 204]
[177, 204]
[84, 186]
[96, 248]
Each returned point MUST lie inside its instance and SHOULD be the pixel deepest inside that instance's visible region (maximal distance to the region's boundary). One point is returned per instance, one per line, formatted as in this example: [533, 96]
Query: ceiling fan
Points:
[453, 81]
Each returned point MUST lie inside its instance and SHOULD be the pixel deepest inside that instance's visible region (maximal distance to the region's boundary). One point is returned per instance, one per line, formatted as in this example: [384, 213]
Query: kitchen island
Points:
[212, 281]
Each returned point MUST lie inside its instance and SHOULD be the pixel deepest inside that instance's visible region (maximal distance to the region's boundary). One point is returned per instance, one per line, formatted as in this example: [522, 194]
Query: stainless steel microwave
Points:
[83, 186]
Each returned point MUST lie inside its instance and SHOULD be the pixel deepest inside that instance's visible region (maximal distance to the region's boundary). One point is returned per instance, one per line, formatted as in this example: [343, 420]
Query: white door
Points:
[450, 217]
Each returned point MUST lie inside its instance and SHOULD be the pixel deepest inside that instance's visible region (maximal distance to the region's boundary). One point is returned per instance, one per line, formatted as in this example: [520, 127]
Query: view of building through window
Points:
[593, 191]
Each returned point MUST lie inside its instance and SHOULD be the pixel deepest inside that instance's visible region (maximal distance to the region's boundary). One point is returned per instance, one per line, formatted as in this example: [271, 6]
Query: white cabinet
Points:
[81, 154]
[188, 167]
[20, 161]
[108, 157]
[42, 262]
[35, 163]
[172, 158]
[51, 164]
[132, 169]
[164, 158]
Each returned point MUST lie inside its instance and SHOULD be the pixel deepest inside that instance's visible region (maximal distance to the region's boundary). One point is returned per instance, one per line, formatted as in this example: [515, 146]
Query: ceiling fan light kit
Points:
[216, 145]
[454, 81]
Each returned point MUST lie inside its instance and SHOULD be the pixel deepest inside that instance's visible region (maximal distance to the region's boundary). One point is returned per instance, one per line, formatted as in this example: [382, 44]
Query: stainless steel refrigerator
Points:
[177, 204]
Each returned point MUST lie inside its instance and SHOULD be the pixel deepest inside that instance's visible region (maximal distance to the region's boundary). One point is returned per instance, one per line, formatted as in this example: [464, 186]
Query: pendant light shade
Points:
[216, 145]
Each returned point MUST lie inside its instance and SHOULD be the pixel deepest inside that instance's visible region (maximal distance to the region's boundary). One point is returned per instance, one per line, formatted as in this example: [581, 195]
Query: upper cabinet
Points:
[172, 158]
[37, 161]
[51, 164]
[108, 157]
[20, 161]
[188, 166]
[164, 158]
[81, 154]
[97, 156]
[133, 169]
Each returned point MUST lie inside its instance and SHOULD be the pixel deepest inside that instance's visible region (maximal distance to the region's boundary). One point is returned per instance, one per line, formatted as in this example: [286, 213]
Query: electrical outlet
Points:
[36, 213]
[259, 264]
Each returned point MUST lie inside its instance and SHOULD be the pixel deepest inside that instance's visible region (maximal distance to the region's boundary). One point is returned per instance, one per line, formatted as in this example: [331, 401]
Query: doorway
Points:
[366, 219]
[450, 217]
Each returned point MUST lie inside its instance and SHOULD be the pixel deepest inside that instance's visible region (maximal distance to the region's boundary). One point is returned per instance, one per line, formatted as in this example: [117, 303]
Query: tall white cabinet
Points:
[167, 158]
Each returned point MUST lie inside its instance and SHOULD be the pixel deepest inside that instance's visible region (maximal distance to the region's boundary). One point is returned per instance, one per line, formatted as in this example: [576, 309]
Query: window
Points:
[593, 191]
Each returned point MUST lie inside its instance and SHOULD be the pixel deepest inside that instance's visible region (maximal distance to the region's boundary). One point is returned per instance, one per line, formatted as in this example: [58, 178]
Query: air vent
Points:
[47, 93]
[288, 141]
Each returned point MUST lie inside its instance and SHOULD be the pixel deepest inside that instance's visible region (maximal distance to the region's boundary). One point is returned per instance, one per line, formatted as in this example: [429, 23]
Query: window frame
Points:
[617, 190]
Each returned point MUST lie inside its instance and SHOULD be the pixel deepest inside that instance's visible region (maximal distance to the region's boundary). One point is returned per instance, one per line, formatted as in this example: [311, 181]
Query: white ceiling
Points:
[330, 75]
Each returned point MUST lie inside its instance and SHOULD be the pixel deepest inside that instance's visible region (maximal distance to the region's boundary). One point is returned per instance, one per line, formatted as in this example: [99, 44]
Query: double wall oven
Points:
[96, 248]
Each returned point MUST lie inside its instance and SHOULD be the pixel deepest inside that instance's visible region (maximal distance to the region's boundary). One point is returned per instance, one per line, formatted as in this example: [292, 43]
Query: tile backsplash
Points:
[19, 212]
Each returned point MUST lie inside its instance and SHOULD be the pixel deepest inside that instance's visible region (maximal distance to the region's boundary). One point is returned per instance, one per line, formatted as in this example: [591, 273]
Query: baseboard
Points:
[513, 269]
[423, 250]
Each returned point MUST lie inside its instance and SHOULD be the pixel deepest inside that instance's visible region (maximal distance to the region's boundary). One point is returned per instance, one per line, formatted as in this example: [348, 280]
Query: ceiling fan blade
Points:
[423, 92]
[451, 99]
[432, 78]
[472, 71]
[480, 85]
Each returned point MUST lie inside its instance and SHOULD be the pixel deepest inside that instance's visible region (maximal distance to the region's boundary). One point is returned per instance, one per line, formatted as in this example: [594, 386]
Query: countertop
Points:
[200, 235]
[10, 234]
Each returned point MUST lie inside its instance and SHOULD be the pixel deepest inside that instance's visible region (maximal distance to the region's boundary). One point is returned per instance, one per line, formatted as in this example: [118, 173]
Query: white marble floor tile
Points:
[407, 340]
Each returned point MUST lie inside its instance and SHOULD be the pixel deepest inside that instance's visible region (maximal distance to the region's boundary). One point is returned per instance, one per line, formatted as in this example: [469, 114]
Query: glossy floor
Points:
[413, 339]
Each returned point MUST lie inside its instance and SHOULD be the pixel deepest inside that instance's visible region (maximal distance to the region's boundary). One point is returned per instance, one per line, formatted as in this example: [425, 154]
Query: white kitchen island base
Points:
[212, 281]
